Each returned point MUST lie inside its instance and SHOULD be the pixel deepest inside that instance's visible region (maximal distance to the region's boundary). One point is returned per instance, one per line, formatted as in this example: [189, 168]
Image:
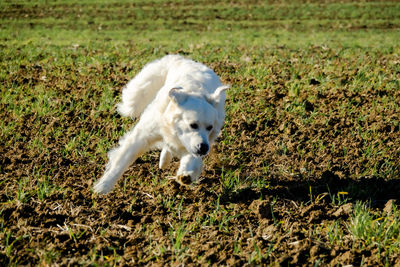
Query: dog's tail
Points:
[142, 89]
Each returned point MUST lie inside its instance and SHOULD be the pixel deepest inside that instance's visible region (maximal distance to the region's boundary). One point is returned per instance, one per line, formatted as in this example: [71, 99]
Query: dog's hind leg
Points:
[131, 146]
[190, 168]
[165, 157]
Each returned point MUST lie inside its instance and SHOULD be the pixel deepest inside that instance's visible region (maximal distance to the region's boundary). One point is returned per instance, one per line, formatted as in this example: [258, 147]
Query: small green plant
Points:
[230, 180]
[44, 188]
[237, 246]
[9, 242]
[221, 219]
[381, 229]
[335, 233]
[177, 234]
[339, 198]
[258, 254]
[22, 195]
[50, 256]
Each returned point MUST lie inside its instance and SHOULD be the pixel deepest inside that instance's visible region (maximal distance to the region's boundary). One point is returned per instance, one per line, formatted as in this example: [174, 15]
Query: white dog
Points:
[182, 106]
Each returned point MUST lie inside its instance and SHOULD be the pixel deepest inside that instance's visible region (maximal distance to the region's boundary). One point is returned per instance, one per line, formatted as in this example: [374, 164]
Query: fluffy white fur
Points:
[181, 107]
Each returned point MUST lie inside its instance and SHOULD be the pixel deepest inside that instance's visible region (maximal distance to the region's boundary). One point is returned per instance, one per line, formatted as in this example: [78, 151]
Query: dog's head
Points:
[196, 119]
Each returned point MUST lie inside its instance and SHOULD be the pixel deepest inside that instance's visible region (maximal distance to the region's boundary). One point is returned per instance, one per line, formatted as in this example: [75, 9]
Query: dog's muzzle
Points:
[202, 149]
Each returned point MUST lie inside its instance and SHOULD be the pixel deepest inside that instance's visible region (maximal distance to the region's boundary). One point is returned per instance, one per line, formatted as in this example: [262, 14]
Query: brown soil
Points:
[280, 219]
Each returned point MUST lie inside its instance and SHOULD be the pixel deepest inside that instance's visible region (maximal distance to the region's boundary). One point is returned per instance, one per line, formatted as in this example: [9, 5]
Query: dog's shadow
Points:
[375, 190]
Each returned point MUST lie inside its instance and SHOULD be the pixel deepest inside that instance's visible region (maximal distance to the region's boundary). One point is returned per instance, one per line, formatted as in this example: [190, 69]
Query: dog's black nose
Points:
[203, 149]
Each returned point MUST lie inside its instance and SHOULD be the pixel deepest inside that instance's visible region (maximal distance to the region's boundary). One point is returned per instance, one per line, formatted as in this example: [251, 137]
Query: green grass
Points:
[314, 90]
[379, 230]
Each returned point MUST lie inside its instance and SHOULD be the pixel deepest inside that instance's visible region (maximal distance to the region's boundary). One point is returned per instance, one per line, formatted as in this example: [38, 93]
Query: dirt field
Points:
[305, 172]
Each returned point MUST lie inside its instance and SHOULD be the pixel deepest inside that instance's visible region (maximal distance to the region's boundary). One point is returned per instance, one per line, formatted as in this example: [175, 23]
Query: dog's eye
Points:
[194, 126]
[209, 128]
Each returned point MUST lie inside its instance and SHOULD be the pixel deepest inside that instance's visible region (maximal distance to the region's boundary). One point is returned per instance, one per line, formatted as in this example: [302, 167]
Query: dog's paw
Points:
[181, 179]
[102, 188]
[184, 179]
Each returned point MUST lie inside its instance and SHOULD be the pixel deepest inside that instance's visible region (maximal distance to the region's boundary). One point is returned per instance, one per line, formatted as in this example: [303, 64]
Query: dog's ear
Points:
[177, 95]
[218, 96]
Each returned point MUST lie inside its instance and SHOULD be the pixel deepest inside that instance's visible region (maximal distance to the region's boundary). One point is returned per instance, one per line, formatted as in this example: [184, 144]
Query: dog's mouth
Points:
[198, 154]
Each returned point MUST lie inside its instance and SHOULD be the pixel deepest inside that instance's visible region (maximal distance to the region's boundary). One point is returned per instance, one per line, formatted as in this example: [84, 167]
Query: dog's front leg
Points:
[165, 157]
[131, 146]
[190, 168]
